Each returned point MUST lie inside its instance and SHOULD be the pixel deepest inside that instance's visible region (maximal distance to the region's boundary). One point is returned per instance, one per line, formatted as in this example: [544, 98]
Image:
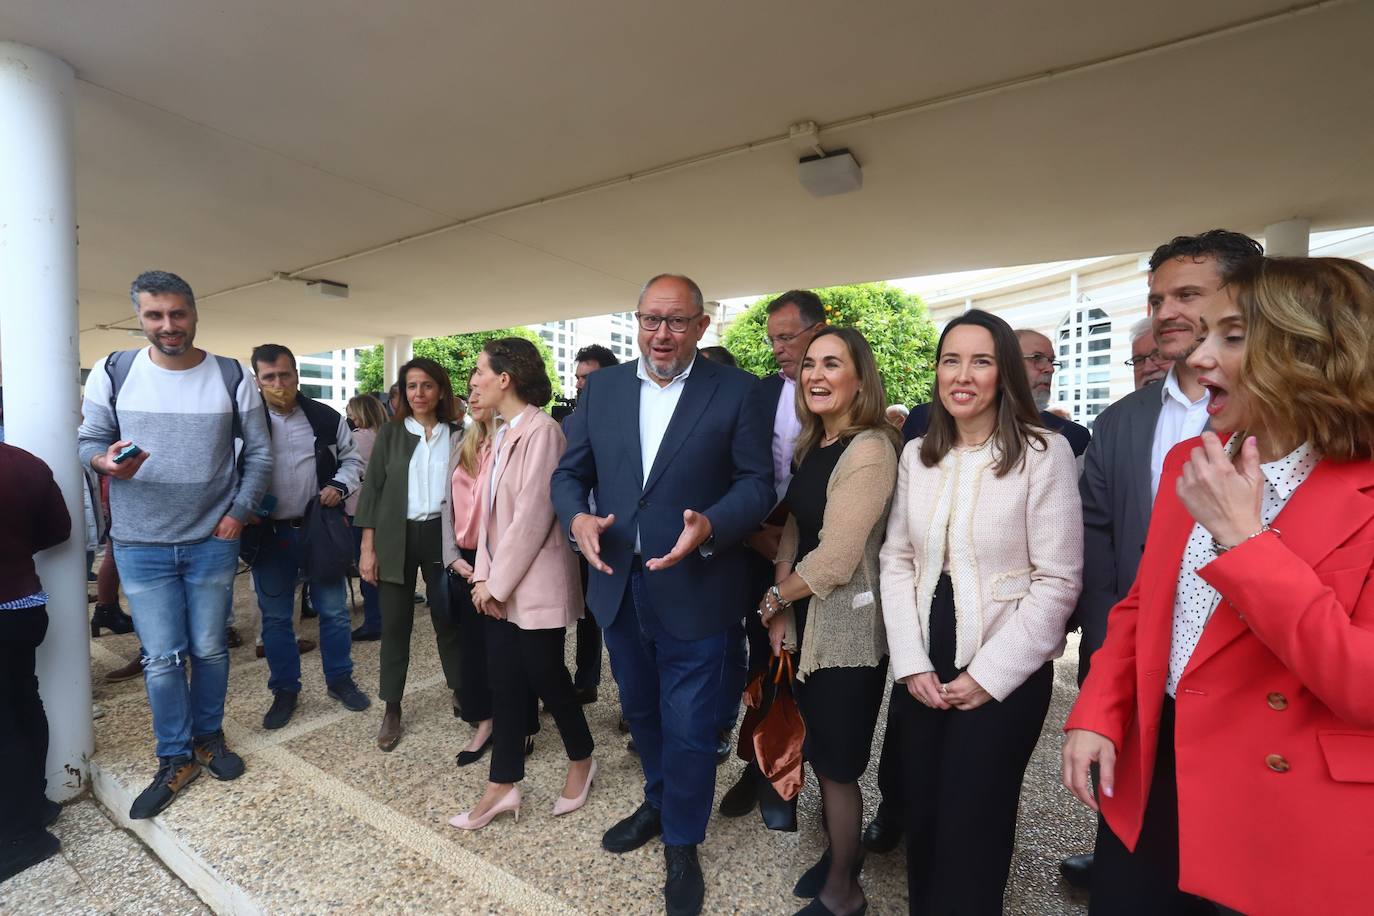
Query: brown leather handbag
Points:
[779, 732]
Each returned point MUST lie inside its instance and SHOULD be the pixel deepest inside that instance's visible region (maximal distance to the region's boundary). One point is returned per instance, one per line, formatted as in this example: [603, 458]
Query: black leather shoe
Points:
[27, 851]
[308, 612]
[232, 639]
[883, 833]
[634, 831]
[685, 888]
[724, 745]
[110, 617]
[818, 908]
[363, 634]
[743, 796]
[211, 753]
[1078, 870]
[586, 696]
[283, 705]
[173, 775]
[347, 693]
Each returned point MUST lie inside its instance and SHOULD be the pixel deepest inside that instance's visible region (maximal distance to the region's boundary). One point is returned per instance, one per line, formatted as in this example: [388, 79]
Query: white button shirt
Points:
[786, 429]
[428, 472]
[656, 406]
[1195, 600]
[1179, 419]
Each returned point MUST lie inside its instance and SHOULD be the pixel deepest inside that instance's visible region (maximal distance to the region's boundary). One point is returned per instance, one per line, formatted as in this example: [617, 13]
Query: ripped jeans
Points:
[179, 597]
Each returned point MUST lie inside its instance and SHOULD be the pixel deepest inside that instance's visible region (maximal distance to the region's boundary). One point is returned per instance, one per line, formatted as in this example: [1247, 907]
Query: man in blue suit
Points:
[676, 451]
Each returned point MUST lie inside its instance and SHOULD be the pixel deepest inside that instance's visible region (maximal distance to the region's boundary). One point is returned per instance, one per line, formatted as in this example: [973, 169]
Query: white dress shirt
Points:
[1179, 419]
[1195, 600]
[498, 459]
[786, 429]
[428, 472]
[656, 406]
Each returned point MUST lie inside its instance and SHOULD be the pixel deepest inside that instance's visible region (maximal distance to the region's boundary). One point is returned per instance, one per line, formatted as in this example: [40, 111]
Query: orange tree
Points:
[896, 324]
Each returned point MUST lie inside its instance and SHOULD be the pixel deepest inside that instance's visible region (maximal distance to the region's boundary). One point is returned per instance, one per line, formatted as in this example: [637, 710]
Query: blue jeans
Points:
[372, 607]
[670, 693]
[179, 597]
[274, 579]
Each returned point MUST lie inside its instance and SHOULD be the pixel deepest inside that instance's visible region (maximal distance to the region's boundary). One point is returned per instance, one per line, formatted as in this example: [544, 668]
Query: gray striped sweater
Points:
[184, 421]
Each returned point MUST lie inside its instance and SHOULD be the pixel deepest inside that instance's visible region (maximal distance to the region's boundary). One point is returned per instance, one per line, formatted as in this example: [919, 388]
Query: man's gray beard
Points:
[1042, 400]
[670, 372]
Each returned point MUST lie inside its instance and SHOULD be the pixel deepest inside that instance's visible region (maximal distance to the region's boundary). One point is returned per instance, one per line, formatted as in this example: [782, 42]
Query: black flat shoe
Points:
[1078, 870]
[813, 879]
[634, 831]
[685, 888]
[816, 908]
[361, 634]
[466, 758]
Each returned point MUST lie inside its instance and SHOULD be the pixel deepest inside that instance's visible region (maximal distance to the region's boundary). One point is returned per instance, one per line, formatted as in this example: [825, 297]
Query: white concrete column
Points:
[1288, 239]
[38, 337]
[396, 352]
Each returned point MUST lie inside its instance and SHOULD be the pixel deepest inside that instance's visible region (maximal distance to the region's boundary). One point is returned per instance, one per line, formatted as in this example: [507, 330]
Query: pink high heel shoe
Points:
[569, 805]
[509, 802]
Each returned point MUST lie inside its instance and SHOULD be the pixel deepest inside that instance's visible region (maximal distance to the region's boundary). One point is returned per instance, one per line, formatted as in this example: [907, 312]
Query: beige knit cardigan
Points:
[844, 620]
[1013, 546]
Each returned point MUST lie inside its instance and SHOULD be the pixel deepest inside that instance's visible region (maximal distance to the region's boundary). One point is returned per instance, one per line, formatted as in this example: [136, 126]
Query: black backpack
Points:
[118, 364]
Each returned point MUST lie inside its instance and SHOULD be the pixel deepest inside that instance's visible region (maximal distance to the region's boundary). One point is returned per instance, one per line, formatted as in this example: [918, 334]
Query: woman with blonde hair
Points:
[980, 572]
[367, 416]
[1230, 710]
[825, 600]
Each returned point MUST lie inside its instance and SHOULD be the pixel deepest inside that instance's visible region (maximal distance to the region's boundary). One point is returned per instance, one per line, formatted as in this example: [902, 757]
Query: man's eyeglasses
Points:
[786, 339]
[1152, 357]
[676, 323]
[1041, 361]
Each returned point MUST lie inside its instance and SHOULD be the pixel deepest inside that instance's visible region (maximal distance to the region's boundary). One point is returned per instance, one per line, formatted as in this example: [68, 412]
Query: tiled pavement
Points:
[324, 822]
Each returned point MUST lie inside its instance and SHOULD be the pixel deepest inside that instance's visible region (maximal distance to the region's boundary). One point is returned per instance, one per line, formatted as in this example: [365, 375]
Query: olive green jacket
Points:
[384, 498]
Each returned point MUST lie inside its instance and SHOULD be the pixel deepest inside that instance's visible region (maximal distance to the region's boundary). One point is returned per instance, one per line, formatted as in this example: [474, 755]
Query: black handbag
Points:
[326, 542]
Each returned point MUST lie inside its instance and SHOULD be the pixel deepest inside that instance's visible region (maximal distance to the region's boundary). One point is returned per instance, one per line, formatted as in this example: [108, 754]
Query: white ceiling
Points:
[226, 141]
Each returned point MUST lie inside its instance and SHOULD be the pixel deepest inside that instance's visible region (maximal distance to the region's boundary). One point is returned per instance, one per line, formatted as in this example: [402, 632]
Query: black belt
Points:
[288, 523]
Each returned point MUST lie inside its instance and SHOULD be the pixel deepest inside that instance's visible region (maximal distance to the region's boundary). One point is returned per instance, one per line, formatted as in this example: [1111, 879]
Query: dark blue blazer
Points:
[1078, 436]
[716, 458]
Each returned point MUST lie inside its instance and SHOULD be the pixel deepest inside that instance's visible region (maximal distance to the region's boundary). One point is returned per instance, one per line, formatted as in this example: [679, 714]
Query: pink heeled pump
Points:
[509, 802]
[569, 805]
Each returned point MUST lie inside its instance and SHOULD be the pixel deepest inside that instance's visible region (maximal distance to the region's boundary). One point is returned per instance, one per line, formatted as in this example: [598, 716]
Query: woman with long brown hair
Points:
[980, 571]
[399, 515]
[825, 600]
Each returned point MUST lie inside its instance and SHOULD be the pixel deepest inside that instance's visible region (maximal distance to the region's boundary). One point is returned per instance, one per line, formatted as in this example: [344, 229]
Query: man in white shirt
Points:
[675, 449]
[1123, 462]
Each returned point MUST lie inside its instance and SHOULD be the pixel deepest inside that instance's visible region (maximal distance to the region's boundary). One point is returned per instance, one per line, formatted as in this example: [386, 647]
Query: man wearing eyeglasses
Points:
[676, 451]
[1146, 361]
[1038, 353]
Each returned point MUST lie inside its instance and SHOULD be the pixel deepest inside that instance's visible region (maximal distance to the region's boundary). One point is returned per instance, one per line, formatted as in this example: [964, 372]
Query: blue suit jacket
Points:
[716, 458]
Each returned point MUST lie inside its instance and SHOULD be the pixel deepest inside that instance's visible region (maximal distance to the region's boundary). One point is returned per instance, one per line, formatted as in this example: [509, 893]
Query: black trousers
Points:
[523, 664]
[475, 688]
[23, 724]
[1145, 882]
[961, 781]
[588, 656]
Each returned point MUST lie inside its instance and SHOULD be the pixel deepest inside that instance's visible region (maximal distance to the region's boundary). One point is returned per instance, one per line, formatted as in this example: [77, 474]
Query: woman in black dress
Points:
[825, 601]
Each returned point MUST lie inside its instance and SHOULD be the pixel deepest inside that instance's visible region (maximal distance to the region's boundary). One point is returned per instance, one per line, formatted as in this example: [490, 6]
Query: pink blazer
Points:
[522, 554]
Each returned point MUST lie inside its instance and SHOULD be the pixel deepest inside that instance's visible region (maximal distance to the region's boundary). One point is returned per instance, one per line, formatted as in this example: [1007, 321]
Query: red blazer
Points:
[1275, 711]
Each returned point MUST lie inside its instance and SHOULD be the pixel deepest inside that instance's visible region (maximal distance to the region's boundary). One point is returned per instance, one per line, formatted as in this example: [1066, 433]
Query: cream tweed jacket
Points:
[844, 627]
[1013, 546]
